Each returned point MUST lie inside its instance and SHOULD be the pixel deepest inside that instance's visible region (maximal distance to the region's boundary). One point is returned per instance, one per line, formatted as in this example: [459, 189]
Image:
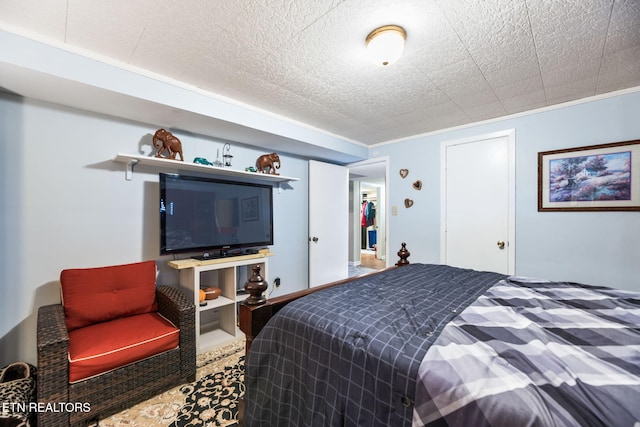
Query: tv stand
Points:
[216, 322]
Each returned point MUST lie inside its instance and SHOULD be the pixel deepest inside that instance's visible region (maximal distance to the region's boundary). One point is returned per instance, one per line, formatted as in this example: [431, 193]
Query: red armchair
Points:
[116, 340]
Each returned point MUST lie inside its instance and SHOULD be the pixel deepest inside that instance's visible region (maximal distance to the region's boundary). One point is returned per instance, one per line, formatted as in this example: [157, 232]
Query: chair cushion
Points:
[102, 347]
[92, 295]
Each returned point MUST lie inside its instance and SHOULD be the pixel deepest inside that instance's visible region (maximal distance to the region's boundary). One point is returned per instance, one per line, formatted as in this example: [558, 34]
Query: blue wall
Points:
[65, 204]
[600, 248]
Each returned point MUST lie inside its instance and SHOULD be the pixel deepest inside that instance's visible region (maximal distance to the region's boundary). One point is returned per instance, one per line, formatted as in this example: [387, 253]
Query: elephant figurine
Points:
[268, 163]
[170, 143]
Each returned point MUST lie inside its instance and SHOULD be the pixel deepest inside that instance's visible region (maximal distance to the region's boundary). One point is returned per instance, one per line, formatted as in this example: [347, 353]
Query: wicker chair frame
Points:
[113, 391]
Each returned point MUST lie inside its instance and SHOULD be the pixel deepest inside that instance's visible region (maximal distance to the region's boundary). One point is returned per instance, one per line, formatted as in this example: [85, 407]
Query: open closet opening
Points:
[369, 220]
[368, 225]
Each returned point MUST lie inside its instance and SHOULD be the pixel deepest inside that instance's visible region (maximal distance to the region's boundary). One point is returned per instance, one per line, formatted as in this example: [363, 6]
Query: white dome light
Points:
[385, 44]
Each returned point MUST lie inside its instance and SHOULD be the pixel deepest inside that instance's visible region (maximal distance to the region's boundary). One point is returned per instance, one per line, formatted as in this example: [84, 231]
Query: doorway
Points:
[367, 216]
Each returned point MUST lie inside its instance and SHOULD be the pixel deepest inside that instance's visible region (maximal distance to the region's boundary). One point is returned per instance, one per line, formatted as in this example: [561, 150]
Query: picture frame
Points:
[250, 210]
[603, 177]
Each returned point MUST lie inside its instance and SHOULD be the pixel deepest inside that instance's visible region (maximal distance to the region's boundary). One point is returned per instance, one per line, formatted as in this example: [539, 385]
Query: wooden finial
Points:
[256, 286]
[403, 253]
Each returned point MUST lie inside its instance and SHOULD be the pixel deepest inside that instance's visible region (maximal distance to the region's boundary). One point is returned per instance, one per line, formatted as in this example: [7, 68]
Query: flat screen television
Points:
[204, 215]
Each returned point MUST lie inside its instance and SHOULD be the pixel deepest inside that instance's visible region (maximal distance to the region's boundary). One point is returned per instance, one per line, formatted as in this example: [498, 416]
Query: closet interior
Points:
[369, 228]
[368, 222]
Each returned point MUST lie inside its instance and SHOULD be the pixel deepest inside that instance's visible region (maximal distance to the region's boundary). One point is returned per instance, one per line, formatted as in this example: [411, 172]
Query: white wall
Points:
[599, 248]
[65, 204]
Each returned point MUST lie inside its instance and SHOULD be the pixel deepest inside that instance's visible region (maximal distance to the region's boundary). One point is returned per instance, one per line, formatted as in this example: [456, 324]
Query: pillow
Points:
[92, 295]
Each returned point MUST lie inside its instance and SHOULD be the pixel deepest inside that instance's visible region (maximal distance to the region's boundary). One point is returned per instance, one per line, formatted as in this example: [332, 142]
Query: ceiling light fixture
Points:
[385, 44]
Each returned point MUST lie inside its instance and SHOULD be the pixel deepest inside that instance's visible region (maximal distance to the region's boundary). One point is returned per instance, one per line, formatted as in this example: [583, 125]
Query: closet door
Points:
[478, 203]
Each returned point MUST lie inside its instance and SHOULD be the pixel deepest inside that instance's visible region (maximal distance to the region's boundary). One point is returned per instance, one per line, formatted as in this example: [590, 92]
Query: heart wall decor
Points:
[408, 203]
[417, 185]
[404, 173]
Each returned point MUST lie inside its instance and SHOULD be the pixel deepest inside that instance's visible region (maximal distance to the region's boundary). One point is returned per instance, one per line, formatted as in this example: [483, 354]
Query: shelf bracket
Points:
[128, 173]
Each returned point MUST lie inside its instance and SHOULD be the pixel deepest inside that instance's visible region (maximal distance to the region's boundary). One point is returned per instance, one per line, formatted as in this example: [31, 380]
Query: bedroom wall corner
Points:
[598, 248]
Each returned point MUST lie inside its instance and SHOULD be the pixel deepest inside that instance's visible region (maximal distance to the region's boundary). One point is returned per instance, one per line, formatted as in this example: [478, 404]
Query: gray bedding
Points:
[437, 345]
[536, 354]
[349, 355]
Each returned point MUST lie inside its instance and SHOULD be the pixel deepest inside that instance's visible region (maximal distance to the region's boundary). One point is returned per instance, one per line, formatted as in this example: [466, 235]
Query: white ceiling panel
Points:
[111, 28]
[42, 19]
[527, 101]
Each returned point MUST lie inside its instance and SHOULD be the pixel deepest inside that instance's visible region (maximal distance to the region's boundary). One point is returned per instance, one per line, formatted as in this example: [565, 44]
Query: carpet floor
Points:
[356, 270]
[212, 400]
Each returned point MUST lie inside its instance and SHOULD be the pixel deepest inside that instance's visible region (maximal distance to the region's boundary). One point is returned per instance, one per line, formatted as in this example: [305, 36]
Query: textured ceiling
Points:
[464, 60]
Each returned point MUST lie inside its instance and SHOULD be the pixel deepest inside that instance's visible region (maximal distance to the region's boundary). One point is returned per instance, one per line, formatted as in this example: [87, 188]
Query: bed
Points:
[438, 345]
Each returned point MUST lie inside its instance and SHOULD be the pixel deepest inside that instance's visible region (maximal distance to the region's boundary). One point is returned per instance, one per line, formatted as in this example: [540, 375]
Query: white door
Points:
[478, 205]
[328, 223]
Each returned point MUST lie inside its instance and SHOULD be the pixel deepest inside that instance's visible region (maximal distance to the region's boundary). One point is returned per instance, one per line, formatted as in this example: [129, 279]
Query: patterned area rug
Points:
[213, 401]
[210, 401]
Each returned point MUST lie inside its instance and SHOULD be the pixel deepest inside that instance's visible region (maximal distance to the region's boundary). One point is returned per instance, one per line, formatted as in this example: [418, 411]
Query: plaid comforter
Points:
[349, 355]
[536, 354]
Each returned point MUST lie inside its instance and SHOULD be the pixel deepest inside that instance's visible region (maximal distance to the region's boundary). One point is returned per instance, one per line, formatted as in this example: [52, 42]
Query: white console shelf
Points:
[217, 322]
[131, 160]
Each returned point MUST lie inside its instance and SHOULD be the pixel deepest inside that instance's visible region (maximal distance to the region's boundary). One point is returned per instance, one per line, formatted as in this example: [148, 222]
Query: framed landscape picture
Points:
[594, 178]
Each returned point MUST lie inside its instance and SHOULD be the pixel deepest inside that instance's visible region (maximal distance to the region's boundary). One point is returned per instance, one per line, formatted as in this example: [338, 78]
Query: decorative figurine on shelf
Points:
[227, 155]
[218, 163]
[170, 143]
[202, 161]
[268, 163]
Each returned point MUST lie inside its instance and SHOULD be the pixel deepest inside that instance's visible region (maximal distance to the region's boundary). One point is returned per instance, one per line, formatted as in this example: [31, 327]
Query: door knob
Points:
[500, 244]
[313, 239]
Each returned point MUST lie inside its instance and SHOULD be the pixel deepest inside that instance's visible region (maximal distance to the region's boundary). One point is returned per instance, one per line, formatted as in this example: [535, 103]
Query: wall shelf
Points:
[131, 160]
